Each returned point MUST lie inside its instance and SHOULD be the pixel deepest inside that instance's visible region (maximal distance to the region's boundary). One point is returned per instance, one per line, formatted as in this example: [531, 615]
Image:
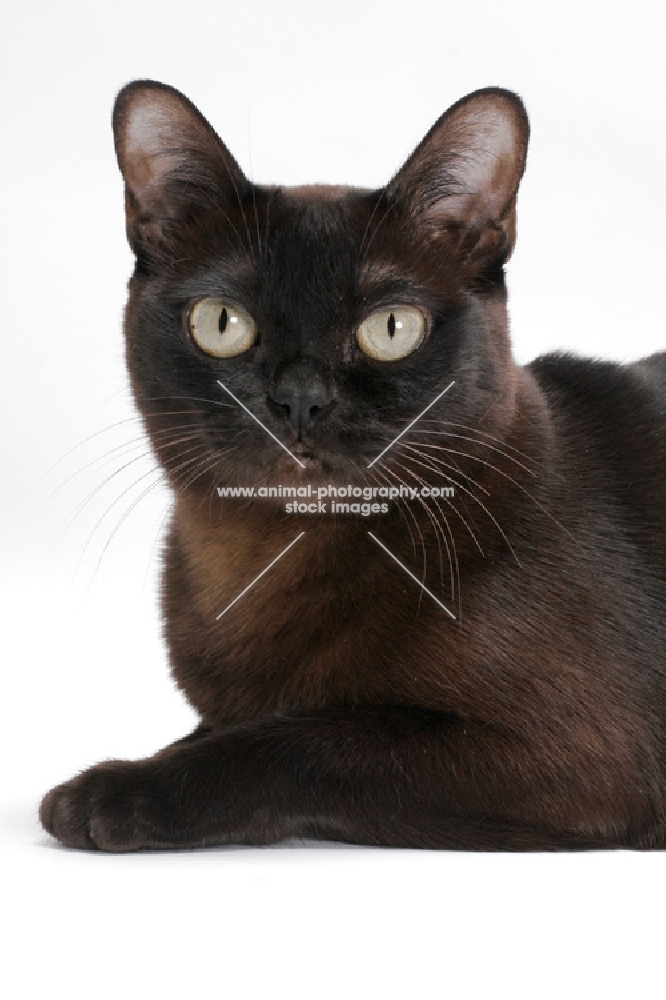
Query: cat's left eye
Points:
[221, 327]
[391, 334]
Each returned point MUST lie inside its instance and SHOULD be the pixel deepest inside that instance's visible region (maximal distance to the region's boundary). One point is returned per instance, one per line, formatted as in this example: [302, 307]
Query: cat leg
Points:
[384, 776]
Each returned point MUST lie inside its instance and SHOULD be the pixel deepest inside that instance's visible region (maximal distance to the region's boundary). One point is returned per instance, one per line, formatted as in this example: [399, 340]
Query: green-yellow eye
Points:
[391, 334]
[221, 328]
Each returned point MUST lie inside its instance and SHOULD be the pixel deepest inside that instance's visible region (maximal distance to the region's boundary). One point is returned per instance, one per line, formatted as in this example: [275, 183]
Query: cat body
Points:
[523, 709]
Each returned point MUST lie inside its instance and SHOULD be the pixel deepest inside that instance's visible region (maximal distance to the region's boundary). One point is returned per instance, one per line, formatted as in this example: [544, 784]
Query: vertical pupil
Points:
[391, 326]
[222, 325]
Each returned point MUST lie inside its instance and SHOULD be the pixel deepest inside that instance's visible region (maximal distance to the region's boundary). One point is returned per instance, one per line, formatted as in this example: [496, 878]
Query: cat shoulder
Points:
[604, 388]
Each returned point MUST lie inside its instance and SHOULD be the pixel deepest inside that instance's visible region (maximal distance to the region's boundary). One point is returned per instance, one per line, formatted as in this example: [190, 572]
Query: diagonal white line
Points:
[259, 577]
[409, 426]
[409, 573]
[236, 400]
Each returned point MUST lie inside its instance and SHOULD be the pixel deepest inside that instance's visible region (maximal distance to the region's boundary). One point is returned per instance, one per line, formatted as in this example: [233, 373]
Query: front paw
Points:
[114, 806]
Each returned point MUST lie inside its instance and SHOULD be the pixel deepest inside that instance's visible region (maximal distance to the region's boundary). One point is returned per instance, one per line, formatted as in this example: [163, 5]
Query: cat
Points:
[481, 672]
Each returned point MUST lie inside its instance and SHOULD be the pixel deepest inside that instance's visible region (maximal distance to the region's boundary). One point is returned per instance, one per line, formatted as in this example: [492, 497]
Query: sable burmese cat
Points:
[337, 700]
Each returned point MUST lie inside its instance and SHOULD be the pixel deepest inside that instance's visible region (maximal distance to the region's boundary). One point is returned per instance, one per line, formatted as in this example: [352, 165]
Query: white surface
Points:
[299, 93]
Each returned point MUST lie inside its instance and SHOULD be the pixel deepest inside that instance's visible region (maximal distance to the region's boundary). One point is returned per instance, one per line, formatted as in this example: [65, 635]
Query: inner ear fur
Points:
[171, 159]
[465, 173]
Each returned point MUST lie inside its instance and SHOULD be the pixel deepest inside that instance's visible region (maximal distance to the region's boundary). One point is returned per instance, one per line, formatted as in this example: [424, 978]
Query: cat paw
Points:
[113, 806]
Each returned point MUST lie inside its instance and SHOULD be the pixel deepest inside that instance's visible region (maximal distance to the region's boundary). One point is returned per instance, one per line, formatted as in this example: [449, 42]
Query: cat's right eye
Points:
[221, 328]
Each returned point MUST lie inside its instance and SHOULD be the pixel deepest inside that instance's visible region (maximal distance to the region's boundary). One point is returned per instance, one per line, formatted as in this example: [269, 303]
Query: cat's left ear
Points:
[464, 176]
[172, 161]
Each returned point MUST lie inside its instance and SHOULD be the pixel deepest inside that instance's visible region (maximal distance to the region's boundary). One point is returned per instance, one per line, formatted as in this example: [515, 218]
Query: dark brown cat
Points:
[515, 703]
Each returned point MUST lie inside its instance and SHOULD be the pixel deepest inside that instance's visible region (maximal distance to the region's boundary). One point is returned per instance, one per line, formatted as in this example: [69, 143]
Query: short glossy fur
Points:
[336, 699]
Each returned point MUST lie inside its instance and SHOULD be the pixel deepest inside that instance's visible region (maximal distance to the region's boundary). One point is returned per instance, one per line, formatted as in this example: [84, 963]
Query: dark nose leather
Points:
[301, 391]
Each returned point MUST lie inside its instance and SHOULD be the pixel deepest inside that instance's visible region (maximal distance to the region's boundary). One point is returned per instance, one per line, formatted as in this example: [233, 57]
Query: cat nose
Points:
[301, 391]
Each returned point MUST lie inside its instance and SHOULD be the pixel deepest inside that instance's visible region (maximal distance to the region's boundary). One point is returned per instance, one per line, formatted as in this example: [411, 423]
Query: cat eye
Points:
[221, 328]
[391, 334]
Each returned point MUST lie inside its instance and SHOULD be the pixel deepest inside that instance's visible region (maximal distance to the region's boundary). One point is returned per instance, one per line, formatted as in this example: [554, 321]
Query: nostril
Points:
[301, 393]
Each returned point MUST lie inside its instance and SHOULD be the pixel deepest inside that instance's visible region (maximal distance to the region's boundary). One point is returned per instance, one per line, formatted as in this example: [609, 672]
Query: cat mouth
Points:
[306, 456]
[297, 458]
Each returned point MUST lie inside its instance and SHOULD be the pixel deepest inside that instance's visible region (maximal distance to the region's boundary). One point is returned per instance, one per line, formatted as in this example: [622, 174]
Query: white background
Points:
[300, 92]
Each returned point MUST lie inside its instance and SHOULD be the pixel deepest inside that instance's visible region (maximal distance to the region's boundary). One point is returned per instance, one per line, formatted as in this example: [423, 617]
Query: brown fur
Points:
[336, 699]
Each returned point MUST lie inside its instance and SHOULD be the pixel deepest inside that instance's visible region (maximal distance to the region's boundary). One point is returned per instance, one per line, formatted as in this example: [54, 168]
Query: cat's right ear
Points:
[171, 160]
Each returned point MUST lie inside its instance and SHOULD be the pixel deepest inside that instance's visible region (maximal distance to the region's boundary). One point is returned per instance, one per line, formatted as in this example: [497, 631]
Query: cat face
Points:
[332, 315]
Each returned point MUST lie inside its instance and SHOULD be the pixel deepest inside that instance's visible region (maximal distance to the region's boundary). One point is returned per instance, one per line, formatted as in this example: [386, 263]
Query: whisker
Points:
[367, 228]
[485, 444]
[500, 472]
[135, 418]
[453, 507]
[124, 448]
[203, 470]
[268, 208]
[184, 399]
[216, 204]
[81, 506]
[91, 437]
[134, 503]
[438, 529]
[404, 444]
[455, 579]
[145, 454]
[382, 219]
[461, 496]
[490, 515]
[177, 471]
[418, 528]
[254, 199]
[387, 481]
[492, 437]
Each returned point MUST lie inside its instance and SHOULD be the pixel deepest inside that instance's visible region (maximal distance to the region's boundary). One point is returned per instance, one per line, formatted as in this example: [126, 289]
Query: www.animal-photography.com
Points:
[334, 452]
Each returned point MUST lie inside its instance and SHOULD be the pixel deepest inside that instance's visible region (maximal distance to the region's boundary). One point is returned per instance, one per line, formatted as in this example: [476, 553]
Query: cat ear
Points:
[171, 160]
[464, 176]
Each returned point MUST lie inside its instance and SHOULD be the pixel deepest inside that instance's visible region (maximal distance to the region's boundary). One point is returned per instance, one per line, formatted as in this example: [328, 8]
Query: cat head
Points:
[334, 315]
